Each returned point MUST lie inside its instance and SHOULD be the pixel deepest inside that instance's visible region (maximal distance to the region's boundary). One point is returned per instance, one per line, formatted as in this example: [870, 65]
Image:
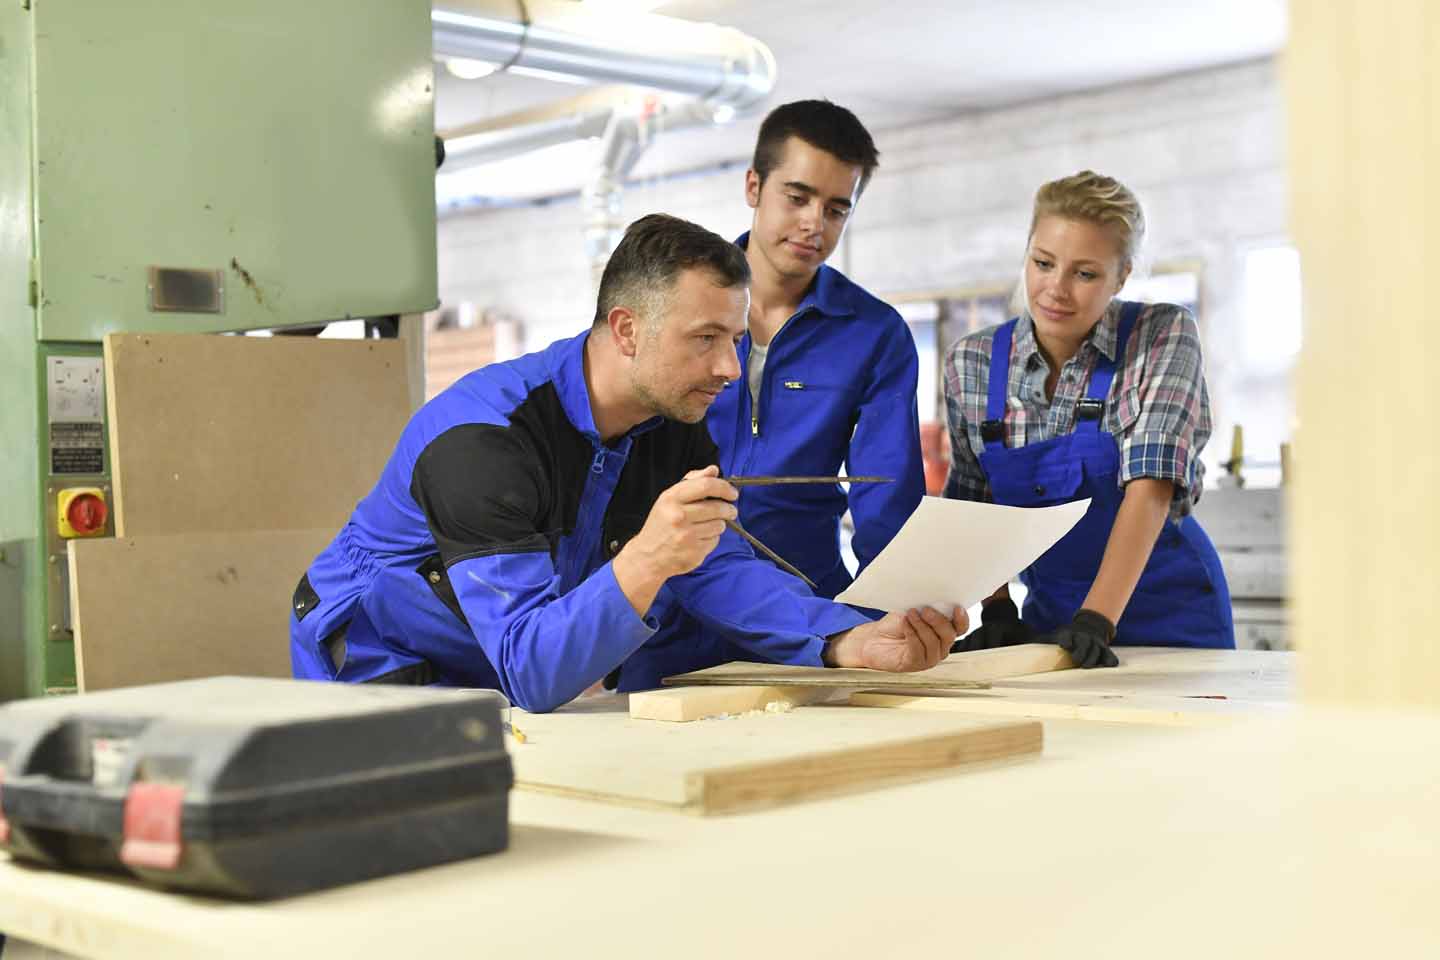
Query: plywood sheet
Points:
[1060, 705]
[1256, 675]
[594, 750]
[1175, 818]
[684, 704]
[960, 670]
[151, 609]
[210, 432]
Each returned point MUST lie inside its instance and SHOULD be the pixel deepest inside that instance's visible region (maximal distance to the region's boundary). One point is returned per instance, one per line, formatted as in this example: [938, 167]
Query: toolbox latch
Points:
[152, 826]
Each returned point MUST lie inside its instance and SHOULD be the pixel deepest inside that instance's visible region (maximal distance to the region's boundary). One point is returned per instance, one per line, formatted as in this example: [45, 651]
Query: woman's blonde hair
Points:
[1103, 201]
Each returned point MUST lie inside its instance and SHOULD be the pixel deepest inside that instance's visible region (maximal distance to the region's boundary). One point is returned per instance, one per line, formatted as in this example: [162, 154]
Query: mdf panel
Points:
[162, 608]
[214, 433]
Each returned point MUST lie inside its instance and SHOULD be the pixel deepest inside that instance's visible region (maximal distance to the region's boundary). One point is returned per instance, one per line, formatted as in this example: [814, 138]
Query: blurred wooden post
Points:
[1364, 113]
[412, 332]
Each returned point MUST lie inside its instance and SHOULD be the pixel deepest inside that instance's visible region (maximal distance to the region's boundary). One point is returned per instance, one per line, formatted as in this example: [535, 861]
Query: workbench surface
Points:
[1293, 831]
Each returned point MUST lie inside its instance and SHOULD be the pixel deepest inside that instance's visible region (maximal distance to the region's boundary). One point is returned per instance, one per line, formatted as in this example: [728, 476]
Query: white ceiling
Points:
[896, 64]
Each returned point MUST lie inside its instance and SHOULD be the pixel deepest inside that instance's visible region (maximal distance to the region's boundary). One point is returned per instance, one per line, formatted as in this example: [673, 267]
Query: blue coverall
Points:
[838, 387]
[482, 556]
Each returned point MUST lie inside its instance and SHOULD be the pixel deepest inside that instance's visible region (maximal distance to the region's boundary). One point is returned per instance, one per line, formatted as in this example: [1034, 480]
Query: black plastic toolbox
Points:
[254, 788]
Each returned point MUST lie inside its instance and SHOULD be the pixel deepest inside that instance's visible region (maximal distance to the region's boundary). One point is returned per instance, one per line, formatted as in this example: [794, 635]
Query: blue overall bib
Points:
[1182, 599]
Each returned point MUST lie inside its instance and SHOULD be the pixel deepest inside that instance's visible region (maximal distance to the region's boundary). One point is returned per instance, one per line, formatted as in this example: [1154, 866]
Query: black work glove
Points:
[1000, 626]
[1087, 639]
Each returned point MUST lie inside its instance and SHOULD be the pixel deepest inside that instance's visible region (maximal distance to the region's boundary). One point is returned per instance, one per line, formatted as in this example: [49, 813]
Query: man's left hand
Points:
[899, 643]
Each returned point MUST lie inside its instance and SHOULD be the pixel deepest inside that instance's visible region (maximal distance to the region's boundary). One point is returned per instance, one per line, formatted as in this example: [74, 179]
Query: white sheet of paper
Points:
[956, 552]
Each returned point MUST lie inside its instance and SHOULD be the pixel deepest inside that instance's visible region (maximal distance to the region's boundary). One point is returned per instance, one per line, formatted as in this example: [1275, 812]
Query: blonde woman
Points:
[1084, 395]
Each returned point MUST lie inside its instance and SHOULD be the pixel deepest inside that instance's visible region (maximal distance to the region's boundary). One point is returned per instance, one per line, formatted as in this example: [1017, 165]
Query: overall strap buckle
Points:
[1089, 408]
[992, 431]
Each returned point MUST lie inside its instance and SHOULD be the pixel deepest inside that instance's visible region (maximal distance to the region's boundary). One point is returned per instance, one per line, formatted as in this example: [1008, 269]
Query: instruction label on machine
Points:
[75, 390]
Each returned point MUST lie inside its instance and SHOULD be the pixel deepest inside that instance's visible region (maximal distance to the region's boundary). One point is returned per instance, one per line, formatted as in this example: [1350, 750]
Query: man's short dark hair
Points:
[643, 269]
[822, 124]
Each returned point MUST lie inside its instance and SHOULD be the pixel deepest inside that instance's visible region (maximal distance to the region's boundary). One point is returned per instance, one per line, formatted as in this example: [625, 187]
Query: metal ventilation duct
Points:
[719, 65]
[585, 116]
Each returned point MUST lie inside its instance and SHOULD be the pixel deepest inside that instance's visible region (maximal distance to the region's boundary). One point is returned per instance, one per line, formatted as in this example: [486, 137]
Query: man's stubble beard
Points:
[670, 410]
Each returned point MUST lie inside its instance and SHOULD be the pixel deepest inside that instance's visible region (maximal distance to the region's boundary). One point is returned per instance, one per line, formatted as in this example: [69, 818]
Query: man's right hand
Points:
[684, 525]
[902, 642]
[1000, 626]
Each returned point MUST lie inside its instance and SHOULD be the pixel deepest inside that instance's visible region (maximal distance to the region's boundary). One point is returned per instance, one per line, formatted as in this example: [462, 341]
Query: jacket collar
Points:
[828, 293]
[567, 365]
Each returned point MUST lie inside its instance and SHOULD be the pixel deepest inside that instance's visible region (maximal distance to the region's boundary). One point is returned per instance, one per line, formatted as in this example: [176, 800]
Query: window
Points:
[1271, 295]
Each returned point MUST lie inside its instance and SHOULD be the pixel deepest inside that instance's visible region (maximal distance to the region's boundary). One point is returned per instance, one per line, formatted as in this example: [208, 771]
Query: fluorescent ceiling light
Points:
[467, 69]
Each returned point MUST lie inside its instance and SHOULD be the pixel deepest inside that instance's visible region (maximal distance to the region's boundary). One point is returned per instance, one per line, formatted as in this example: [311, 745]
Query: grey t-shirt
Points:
[756, 371]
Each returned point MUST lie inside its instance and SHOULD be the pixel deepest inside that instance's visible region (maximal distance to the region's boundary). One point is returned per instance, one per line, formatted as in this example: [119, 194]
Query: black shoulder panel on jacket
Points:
[490, 488]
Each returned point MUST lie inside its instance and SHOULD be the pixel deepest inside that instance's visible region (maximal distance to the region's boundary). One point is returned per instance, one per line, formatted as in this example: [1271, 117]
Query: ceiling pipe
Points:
[580, 117]
[720, 65]
[587, 116]
[625, 139]
[708, 73]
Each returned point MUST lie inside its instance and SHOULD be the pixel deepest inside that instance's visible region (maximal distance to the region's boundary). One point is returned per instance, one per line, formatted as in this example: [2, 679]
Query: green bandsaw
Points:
[201, 166]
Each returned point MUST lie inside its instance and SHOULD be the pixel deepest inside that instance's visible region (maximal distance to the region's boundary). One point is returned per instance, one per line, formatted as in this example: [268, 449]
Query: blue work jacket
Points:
[482, 558]
[838, 388]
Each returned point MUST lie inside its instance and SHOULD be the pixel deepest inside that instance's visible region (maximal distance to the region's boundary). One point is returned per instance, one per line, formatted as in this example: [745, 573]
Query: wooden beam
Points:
[1363, 99]
[683, 704]
[960, 670]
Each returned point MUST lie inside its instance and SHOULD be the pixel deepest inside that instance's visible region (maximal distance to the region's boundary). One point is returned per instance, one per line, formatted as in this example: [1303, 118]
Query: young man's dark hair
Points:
[651, 255]
[823, 125]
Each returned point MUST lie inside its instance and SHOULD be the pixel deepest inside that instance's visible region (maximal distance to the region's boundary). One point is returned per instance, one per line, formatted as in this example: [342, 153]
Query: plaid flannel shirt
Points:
[1158, 409]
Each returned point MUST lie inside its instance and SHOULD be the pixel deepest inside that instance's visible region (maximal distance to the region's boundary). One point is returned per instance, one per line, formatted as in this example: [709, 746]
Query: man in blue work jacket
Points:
[558, 519]
[830, 371]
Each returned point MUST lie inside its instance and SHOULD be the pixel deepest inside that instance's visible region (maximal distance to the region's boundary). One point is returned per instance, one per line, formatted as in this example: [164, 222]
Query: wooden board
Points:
[960, 670]
[1364, 569]
[151, 609]
[593, 749]
[209, 432]
[1059, 705]
[1258, 675]
[684, 704]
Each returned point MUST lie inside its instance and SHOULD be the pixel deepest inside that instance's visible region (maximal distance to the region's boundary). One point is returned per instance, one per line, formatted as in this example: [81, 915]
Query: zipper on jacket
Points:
[597, 466]
[764, 377]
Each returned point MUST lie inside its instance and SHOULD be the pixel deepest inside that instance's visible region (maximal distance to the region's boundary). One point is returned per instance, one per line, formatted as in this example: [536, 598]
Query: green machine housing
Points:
[204, 166]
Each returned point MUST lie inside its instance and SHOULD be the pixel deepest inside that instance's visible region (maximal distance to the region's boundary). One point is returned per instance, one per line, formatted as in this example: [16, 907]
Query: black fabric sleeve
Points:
[482, 492]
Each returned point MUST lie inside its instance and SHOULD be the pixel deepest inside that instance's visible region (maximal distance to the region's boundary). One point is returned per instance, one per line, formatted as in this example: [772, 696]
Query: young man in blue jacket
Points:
[558, 519]
[830, 371]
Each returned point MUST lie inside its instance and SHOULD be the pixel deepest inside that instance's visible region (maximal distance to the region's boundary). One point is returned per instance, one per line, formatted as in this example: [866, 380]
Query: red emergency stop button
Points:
[86, 514]
[81, 512]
